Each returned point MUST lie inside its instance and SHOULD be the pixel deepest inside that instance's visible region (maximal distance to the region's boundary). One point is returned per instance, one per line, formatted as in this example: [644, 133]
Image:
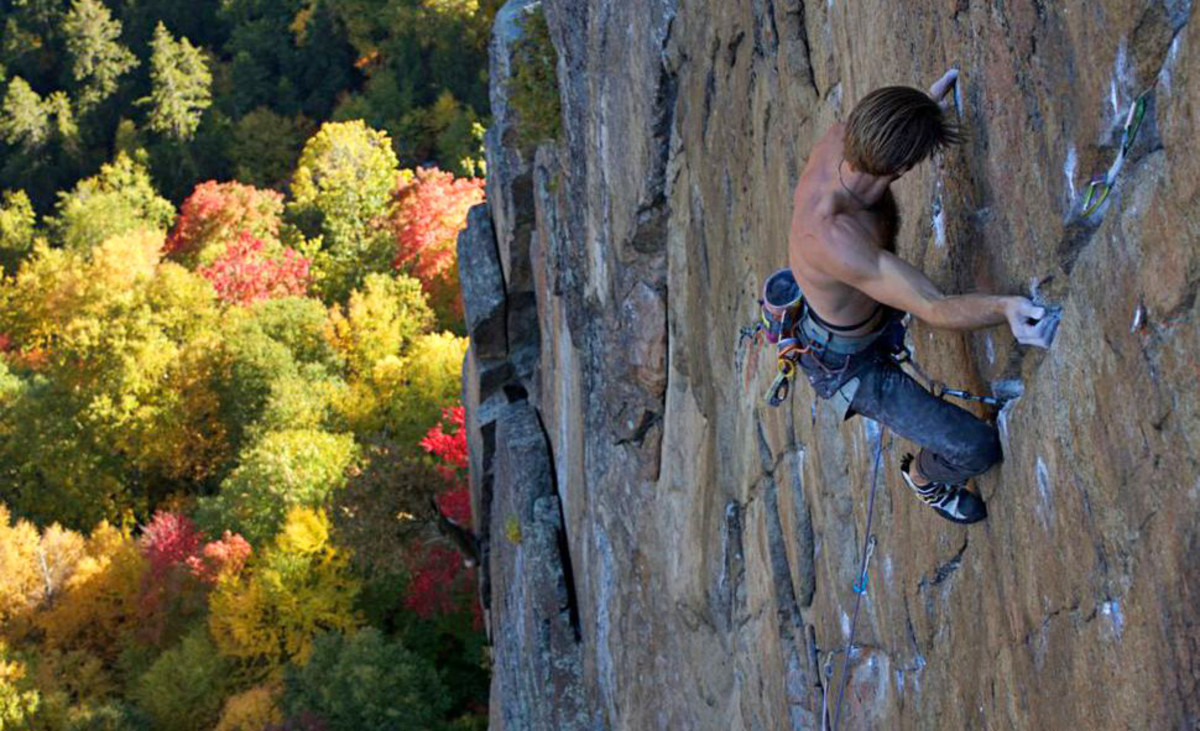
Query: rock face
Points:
[661, 550]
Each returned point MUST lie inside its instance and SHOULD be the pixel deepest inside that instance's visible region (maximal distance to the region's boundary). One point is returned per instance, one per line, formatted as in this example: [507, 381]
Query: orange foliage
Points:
[219, 559]
[252, 710]
[430, 209]
[33, 568]
[215, 214]
[98, 603]
[20, 579]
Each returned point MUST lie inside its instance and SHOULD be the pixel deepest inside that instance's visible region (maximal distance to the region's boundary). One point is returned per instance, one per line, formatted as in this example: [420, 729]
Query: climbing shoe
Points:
[952, 502]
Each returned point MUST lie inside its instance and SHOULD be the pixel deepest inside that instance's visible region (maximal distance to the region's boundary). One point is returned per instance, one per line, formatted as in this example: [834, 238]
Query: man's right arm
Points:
[889, 279]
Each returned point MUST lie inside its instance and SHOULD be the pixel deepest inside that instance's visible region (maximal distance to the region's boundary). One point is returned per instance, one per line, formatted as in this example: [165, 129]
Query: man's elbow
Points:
[931, 310]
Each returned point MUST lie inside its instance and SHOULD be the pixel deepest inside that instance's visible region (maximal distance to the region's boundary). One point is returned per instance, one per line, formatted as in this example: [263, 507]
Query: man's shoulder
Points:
[836, 239]
[834, 227]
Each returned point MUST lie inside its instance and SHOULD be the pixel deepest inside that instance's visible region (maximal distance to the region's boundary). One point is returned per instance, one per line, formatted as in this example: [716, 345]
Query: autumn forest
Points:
[232, 457]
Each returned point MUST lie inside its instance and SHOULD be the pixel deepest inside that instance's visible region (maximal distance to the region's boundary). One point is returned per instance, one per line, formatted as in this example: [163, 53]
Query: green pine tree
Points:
[17, 221]
[99, 60]
[24, 118]
[180, 89]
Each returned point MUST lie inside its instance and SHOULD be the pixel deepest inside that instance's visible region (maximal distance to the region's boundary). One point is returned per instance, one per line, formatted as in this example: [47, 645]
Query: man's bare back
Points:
[817, 201]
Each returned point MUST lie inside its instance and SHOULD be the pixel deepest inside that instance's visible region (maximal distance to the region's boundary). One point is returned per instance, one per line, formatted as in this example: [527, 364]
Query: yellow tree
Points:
[341, 191]
[21, 580]
[300, 587]
[34, 567]
[98, 603]
[378, 322]
[399, 374]
[116, 409]
[18, 703]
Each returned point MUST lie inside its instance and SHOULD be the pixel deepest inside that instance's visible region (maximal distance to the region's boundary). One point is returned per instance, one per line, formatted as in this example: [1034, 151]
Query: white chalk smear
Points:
[1069, 169]
[1044, 491]
[1168, 67]
[1117, 83]
[1112, 610]
[1138, 314]
[939, 224]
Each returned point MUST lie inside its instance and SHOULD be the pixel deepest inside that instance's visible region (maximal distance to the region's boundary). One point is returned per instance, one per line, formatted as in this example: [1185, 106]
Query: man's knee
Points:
[983, 450]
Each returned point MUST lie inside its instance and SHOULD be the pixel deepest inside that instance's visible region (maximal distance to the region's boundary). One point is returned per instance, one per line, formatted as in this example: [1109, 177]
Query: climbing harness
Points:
[1102, 183]
[860, 588]
[786, 321]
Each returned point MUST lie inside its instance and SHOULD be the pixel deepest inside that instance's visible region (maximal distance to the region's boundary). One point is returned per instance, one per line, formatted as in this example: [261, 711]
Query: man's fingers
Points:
[1033, 324]
[1028, 334]
[1037, 335]
[942, 85]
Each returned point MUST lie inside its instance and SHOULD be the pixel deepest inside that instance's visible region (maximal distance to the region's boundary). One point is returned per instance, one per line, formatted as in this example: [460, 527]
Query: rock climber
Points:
[841, 250]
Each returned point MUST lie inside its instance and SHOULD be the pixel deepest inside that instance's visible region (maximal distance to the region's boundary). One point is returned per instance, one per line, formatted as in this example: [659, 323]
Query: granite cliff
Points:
[661, 550]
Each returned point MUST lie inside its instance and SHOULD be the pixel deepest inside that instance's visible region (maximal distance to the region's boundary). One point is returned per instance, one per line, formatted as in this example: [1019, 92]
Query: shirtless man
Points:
[841, 250]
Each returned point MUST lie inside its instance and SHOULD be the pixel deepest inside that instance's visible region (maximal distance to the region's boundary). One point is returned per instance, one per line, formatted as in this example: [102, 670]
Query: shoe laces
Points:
[932, 493]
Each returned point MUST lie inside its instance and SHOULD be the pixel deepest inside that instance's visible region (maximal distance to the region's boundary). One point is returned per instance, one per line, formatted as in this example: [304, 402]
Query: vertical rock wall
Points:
[659, 545]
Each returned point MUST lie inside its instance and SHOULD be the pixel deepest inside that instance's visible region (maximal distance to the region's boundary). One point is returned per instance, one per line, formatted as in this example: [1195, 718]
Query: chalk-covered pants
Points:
[955, 444]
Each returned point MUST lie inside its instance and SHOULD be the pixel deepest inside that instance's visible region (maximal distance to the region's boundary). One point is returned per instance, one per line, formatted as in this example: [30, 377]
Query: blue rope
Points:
[860, 586]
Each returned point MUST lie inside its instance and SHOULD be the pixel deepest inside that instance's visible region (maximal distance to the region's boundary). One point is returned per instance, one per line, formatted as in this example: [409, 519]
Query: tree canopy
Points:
[229, 363]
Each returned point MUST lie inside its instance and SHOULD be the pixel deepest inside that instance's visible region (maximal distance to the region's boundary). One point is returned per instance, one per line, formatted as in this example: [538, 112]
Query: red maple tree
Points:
[181, 565]
[439, 582]
[244, 274]
[451, 449]
[430, 209]
[218, 213]
[226, 555]
[167, 541]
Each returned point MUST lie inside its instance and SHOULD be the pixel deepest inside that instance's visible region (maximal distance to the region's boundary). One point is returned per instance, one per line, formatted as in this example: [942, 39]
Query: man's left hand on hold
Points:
[1030, 324]
[942, 87]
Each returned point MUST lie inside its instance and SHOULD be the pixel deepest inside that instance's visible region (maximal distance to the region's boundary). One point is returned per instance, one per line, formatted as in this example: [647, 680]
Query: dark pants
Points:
[955, 444]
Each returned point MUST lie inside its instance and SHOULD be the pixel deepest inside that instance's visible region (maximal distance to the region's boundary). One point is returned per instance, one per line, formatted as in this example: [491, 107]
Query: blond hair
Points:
[893, 128]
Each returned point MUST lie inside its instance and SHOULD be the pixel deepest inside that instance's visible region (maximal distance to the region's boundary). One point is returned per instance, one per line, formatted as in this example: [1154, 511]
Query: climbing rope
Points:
[860, 586]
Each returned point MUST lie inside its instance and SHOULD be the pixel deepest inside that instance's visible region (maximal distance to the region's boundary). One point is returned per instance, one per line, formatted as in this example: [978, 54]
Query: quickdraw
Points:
[1102, 183]
[940, 389]
[860, 586]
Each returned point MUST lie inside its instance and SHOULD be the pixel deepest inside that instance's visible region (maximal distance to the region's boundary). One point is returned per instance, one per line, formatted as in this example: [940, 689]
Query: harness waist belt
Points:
[822, 338]
[844, 328]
